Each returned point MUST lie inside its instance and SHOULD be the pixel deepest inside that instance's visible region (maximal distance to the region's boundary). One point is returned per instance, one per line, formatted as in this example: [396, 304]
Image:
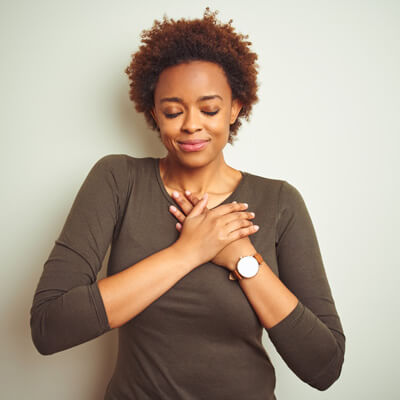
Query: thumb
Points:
[199, 207]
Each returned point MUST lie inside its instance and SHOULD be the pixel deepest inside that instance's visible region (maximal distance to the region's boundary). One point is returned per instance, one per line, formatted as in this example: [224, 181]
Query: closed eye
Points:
[172, 115]
[211, 113]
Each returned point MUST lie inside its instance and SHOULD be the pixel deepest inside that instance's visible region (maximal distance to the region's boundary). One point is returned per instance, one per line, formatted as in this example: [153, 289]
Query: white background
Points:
[327, 122]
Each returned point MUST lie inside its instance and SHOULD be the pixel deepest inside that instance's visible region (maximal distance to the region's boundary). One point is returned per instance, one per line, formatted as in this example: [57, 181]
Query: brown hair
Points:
[171, 42]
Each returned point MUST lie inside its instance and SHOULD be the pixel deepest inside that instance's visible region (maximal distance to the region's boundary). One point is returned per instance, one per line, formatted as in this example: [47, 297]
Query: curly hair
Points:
[171, 42]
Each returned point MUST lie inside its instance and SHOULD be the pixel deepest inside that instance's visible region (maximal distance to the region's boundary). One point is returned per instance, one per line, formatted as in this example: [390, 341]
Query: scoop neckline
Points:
[171, 200]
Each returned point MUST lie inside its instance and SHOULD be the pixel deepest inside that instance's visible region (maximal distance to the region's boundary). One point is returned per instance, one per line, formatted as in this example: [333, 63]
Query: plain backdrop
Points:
[327, 122]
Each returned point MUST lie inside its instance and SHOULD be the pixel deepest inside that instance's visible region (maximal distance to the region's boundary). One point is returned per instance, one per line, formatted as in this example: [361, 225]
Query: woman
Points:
[191, 281]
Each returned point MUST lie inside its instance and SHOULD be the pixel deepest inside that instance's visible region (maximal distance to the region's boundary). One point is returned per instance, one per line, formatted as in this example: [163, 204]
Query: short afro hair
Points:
[170, 43]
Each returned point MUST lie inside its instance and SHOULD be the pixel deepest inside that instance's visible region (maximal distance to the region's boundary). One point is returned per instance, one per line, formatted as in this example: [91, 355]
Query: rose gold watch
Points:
[246, 267]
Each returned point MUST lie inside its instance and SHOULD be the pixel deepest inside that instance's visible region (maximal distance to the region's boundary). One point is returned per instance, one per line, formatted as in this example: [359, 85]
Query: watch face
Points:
[248, 266]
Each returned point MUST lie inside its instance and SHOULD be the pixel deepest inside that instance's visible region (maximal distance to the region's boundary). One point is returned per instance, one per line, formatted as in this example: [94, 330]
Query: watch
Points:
[246, 267]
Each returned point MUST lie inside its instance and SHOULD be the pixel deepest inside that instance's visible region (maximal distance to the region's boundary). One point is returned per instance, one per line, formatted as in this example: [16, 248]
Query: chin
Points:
[194, 160]
[199, 160]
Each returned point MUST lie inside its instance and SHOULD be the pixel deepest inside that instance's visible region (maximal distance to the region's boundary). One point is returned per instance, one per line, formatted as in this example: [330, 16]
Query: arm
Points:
[68, 306]
[297, 309]
[129, 292]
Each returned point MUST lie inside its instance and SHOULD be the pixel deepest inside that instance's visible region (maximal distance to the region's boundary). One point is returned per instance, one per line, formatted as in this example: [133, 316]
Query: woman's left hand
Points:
[230, 254]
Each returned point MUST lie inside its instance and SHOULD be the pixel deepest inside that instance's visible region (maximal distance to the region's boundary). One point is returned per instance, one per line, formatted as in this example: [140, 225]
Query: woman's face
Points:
[194, 101]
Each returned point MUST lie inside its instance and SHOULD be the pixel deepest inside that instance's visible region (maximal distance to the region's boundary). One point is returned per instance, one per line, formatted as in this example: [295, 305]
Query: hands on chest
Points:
[220, 234]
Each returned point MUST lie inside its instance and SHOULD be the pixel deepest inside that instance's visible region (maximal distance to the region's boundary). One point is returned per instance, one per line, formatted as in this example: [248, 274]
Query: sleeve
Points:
[67, 307]
[310, 339]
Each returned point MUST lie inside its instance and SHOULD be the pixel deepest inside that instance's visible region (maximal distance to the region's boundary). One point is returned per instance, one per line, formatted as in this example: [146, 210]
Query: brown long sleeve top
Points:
[202, 338]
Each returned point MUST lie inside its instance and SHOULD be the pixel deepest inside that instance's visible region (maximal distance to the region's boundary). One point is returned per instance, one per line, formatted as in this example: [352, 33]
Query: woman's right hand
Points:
[206, 232]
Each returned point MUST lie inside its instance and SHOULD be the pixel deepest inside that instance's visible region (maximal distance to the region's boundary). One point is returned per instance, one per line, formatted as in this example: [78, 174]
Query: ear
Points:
[235, 110]
[153, 113]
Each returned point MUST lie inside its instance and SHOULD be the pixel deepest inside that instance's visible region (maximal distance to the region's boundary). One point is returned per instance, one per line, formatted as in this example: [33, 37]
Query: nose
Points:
[191, 122]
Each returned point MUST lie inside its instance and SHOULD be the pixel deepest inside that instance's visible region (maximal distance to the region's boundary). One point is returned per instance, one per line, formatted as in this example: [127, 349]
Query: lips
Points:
[193, 145]
[194, 141]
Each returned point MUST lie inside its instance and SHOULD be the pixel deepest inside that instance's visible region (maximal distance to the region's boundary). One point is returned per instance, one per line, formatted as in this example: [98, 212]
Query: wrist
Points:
[232, 264]
[247, 250]
[187, 256]
[247, 266]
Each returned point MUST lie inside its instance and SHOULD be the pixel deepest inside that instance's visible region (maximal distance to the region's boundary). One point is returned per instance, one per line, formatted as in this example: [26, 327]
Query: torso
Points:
[204, 316]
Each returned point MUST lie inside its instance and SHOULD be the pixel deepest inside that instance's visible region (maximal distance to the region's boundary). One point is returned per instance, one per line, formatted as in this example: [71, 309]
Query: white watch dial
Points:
[248, 266]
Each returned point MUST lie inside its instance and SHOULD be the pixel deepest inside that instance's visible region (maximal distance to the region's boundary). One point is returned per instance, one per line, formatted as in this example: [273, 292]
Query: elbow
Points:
[330, 374]
[38, 334]
[41, 347]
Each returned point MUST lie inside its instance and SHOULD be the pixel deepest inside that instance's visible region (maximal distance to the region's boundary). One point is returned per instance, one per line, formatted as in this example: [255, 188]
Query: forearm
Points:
[269, 297]
[129, 292]
[307, 344]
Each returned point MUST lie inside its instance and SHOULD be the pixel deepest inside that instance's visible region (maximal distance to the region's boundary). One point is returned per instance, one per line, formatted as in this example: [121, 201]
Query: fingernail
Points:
[252, 214]
[175, 194]
[245, 204]
[256, 227]
[187, 192]
[172, 208]
[234, 201]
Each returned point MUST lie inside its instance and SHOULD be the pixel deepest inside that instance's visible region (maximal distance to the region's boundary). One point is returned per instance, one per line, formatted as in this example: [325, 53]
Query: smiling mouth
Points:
[194, 141]
[193, 146]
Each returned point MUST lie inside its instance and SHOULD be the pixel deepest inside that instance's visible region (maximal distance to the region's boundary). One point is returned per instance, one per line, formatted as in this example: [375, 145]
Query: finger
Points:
[243, 232]
[177, 213]
[184, 203]
[228, 208]
[237, 216]
[192, 198]
[238, 224]
[200, 206]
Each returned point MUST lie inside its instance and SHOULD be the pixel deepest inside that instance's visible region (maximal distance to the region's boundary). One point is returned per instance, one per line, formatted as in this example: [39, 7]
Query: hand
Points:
[206, 232]
[229, 255]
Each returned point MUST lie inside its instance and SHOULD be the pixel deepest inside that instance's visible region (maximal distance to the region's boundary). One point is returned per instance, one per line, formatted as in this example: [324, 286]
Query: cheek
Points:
[170, 126]
[168, 135]
[219, 123]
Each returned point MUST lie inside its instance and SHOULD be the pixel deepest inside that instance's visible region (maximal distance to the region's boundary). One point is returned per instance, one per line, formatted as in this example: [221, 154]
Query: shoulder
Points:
[111, 161]
[121, 163]
[281, 186]
[263, 189]
[262, 181]
[276, 194]
[124, 169]
[112, 169]
[290, 197]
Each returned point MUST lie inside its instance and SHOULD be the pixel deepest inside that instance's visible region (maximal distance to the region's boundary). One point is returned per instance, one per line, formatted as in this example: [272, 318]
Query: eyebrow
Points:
[179, 100]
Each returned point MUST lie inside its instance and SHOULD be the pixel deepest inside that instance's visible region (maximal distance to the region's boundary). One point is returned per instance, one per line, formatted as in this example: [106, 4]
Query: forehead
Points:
[192, 80]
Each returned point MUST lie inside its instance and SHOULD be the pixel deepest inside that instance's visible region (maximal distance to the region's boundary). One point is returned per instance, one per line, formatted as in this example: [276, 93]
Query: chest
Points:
[213, 199]
[148, 225]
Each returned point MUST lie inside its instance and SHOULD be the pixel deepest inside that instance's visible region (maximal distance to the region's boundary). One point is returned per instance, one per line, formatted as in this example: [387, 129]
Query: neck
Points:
[213, 178]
